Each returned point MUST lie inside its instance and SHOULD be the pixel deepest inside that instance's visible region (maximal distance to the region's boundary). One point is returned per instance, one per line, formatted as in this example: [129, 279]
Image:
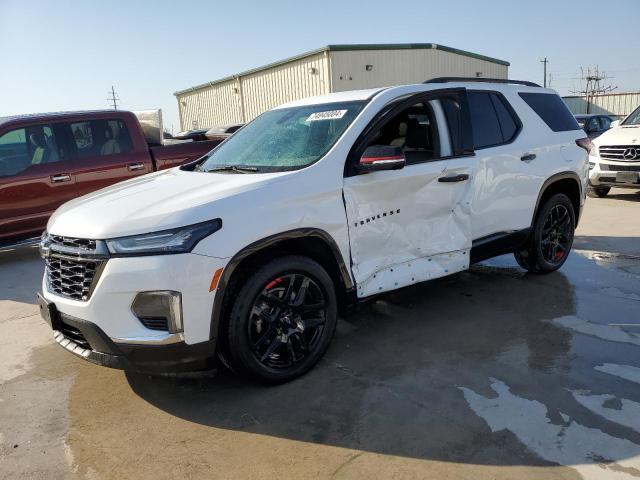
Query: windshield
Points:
[634, 118]
[284, 139]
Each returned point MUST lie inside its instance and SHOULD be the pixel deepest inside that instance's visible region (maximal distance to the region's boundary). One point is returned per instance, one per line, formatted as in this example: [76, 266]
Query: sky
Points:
[66, 55]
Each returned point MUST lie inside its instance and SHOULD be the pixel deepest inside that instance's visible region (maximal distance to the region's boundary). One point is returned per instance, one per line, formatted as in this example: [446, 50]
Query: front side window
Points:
[633, 118]
[413, 130]
[101, 137]
[27, 147]
[284, 138]
[605, 123]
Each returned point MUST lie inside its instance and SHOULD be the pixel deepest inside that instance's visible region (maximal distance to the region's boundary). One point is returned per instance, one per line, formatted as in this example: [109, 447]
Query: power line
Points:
[593, 82]
[112, 98]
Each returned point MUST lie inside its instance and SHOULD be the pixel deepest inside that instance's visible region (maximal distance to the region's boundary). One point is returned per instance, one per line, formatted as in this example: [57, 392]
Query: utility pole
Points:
[112, 98]
[593, 84]
[545, 61]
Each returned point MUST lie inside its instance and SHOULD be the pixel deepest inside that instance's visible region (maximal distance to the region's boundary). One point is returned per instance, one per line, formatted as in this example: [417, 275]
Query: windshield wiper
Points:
[233, 168]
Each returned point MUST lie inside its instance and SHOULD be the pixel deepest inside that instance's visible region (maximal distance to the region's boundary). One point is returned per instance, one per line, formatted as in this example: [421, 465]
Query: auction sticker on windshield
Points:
[328, 115]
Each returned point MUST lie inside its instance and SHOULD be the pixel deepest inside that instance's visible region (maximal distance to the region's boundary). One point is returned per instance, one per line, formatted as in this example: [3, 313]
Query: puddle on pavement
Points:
[468, 376]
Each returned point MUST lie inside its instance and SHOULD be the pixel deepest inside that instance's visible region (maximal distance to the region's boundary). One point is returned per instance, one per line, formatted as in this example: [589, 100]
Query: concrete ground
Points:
[488, 374]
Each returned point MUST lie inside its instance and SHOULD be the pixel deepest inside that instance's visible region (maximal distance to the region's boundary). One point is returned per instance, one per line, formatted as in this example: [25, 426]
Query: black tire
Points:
[598, 192]
[265, 312]
[552, 237]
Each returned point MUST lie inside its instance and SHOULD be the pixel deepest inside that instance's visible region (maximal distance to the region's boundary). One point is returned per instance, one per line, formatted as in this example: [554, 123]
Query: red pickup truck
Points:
[48, 159]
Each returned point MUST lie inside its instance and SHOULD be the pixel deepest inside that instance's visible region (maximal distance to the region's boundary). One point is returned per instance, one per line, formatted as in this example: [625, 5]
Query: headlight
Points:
[175, 240]
[594, 151]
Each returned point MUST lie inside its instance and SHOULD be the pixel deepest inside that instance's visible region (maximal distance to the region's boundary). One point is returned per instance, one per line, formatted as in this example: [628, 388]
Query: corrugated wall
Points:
[617, 105]
[397, 67]
[243, 98]
[291, 81]
[217, 104]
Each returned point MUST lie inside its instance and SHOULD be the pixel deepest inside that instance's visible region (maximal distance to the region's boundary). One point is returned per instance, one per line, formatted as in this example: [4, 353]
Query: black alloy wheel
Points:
[551, 237]
[282, 320]
[557, 234]
[286, 320]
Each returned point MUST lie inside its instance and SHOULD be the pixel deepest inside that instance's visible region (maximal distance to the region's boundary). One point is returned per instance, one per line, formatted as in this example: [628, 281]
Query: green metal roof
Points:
[346, 48]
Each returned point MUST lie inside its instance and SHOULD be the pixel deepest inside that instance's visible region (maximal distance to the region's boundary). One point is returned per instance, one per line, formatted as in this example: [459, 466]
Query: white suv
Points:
[614, 160]
[253, 251]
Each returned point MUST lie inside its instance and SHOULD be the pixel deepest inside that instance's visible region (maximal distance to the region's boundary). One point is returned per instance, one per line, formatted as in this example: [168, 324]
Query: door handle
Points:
[527, 157]
[455, 178]
[62, 177]
[135, 166]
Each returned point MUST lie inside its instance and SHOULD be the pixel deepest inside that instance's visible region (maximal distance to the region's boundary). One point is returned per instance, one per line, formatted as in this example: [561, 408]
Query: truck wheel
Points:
[282, 320]
[600, 192]
[551, 238]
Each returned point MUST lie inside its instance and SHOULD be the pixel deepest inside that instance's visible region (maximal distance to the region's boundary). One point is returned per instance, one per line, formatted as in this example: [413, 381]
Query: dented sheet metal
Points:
[405, 226]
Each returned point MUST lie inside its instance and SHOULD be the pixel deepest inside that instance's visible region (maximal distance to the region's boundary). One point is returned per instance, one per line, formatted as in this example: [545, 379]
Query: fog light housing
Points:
[159, 310]
[591, 165]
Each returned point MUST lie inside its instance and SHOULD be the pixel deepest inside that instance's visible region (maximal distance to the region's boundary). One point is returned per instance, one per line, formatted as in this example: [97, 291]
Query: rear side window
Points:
[492, 121]
[552, 110]
[508, 125]
[484, 121]
[101, 137]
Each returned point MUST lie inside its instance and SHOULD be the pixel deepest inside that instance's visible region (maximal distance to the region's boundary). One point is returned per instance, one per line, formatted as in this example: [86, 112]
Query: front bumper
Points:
[613, 174]
[89, 342]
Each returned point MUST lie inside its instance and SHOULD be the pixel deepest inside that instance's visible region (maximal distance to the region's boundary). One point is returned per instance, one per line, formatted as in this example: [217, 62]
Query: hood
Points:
[162, 200]
[622, 135]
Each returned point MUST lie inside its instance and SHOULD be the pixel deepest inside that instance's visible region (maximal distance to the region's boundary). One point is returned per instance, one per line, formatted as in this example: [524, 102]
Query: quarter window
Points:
[552, 110]
[101, 137]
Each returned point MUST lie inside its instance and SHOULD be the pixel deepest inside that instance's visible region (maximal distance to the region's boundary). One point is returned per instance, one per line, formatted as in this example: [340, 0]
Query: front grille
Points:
[79, 243]
[71, 278]
[619, 168]
[155, 323]
[623, 153]
[73, 265]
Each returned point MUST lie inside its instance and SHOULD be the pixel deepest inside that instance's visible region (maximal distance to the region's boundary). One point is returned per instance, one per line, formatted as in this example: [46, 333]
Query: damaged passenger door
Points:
[411, 223]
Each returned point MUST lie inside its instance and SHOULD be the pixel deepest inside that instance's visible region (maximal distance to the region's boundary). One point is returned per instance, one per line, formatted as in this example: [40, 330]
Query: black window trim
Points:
[392, 109]
[511, 112]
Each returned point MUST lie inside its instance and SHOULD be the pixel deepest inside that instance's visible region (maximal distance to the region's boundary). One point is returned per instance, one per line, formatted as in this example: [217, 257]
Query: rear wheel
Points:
[599, 192]
[283, 319]
[552, 237]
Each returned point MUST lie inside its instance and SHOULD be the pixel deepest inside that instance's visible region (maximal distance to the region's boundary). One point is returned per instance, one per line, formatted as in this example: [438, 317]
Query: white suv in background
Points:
[251, 252]
[614, 160]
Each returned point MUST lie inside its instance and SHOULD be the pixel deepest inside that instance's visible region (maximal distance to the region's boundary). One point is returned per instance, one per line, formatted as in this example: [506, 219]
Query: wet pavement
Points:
[490, 373]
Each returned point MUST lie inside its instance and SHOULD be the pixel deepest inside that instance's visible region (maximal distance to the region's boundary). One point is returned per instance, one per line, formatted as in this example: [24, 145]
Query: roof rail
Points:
[482, 80]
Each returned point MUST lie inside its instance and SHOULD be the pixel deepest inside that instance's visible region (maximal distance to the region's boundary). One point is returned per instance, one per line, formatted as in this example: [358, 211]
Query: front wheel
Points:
[552, 236]
[283, 319]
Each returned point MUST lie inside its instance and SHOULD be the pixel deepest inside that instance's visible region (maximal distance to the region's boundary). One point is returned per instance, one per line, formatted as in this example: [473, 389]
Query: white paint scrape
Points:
[605, 332]
[593, 453]
[627, 415]
[627, 372]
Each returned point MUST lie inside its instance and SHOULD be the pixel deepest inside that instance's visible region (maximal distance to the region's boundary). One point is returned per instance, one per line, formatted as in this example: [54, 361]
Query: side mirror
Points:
[381, 157]
[615, 124]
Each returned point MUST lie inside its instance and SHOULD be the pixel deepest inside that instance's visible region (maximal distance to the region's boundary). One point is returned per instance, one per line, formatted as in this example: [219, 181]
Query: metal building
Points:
[616, 105]
[334, 68]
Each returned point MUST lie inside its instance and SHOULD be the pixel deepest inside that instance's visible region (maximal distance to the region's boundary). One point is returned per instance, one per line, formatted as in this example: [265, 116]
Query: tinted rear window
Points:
[552, 110]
